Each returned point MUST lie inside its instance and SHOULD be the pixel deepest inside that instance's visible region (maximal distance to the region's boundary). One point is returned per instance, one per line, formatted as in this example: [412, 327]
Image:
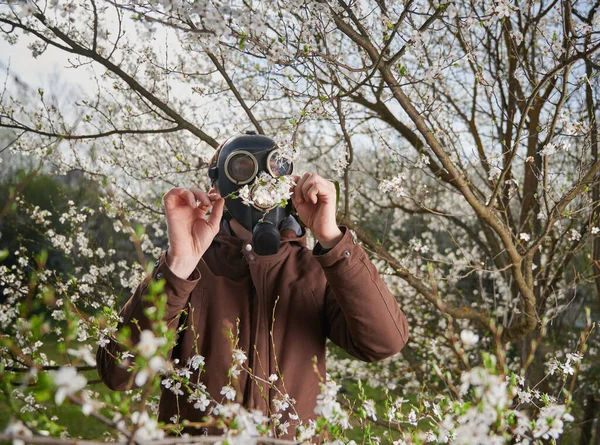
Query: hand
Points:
[314, 198]
[190, 233]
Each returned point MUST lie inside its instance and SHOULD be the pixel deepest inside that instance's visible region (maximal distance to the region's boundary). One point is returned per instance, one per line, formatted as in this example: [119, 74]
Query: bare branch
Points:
[235, 92]
[429, 293]
[68, 136]
[550, 76]
[75, 48]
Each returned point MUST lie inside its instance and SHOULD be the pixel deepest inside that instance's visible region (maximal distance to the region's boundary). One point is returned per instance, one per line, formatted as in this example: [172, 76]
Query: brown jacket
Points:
[337, 295]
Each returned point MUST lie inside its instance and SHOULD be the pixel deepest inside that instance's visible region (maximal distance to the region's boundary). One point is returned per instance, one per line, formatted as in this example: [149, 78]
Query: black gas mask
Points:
[241, 159]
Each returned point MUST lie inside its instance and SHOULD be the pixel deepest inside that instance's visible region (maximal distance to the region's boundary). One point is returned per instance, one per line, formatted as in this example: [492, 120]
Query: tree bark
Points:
[588, 420]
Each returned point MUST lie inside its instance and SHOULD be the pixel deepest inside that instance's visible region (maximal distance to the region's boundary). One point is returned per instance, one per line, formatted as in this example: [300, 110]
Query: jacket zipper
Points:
[251, 352]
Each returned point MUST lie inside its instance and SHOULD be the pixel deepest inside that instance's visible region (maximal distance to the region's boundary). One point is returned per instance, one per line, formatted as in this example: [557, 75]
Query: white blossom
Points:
[155, 364]
[524, 396]
[517, 36]
[283, 427]
[147, 428]
[328, 407]
[395, 185]
[68, 382]
[149, 344]
[85, 353]
[200, 402]
[239, 356]
[176, 389]
[228, 392]
[503, 8]
[103, 341]
[369, 407]
[468, 337]
[412, 417]
[18, 428]
[266, 191]
[196, 362]
[550, 422]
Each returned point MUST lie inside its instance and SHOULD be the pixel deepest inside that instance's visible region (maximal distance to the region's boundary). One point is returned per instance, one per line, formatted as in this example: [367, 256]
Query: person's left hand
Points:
[314, 198]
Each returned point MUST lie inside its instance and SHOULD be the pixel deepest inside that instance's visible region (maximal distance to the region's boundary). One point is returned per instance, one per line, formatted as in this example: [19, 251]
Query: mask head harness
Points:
[240, 160]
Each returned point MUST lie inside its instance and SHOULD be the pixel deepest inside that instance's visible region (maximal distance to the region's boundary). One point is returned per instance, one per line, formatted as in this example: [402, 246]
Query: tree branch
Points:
[416, 283]
[46, 440]
[67, 136]
[235, 91]
[530, 318]
[75, 48]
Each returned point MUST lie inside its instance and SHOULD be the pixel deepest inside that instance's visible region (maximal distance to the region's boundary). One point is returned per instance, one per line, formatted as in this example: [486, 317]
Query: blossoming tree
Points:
[463, 137]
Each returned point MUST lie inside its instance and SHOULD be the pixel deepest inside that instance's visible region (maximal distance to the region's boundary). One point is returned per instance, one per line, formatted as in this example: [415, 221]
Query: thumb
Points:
[216, 214]
[297, 197]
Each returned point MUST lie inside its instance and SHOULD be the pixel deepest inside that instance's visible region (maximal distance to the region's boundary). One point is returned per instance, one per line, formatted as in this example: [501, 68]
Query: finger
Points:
[295, 179]
[312, 193]
[214, 195]
[294, 190]
[214, 219]
[201, 196]
[191, 200]
[172, 195]
[177, 196]
[299, 186]
[306, 185]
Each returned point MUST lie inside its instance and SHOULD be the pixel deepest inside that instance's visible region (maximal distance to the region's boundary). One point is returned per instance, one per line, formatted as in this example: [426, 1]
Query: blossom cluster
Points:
[395, 185]
[267, 192]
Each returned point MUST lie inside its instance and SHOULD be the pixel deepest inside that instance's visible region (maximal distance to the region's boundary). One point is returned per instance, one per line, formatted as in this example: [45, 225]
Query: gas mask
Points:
[241, 159]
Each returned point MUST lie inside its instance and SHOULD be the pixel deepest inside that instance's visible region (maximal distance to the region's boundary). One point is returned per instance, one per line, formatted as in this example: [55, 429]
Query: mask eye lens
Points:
[278, 166]
[241, 167]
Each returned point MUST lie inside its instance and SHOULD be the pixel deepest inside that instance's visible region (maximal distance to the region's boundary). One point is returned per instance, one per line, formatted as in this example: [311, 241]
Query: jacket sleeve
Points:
[362, 316]
[178, 290]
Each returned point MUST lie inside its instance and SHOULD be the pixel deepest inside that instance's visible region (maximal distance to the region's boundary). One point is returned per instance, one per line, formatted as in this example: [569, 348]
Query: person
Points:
[254, 269]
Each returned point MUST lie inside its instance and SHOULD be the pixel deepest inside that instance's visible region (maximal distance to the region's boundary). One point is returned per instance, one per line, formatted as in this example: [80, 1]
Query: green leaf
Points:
[44, 387]
[337, 194]
[156, 287]
[42, 257]
[139, 230]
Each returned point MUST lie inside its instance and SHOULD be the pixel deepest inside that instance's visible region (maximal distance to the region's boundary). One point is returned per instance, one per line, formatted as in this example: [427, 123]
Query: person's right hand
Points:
[190, 233]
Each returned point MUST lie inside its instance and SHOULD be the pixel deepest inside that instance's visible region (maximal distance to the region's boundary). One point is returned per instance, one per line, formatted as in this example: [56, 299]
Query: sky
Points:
[41, 72]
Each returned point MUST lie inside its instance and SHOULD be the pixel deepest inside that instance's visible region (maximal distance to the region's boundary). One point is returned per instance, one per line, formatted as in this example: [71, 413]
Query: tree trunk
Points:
[588, 420]
[597, 439]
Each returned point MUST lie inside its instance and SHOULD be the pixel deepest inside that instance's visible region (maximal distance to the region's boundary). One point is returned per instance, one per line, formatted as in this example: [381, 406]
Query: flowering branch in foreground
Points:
[33, 439]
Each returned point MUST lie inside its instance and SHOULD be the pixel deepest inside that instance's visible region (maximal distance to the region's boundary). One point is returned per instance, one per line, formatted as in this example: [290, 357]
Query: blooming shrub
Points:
[463, 138]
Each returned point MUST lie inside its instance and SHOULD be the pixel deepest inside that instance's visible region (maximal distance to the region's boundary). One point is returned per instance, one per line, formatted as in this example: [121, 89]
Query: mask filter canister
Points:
[266, 238]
